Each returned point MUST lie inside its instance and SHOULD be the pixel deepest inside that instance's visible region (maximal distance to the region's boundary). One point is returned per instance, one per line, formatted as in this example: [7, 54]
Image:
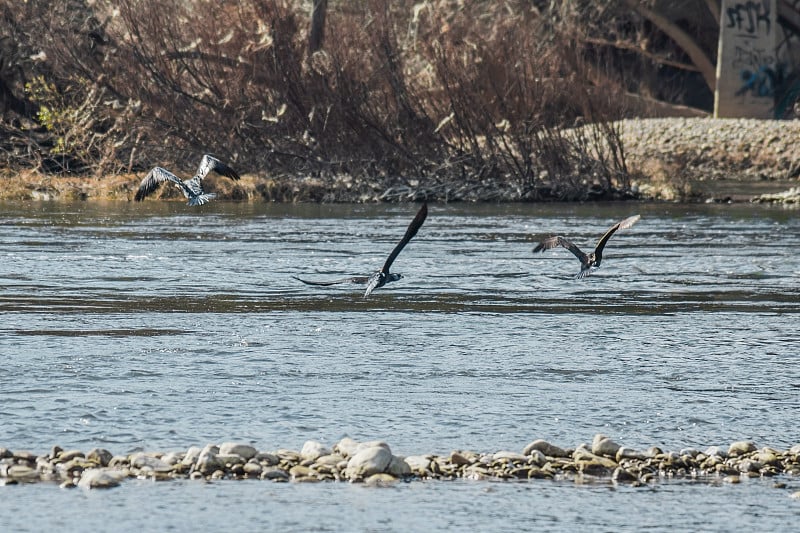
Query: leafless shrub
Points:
[427, 98]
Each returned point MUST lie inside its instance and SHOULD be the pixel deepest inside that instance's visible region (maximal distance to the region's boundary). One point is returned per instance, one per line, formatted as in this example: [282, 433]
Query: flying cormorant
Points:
[382, 276]
[592, 259]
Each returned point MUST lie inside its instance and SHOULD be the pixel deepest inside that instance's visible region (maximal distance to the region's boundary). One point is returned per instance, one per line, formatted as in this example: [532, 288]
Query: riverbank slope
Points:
[673, 159]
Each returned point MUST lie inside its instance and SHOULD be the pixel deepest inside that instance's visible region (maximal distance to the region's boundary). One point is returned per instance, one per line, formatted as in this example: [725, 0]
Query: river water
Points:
[157, 327]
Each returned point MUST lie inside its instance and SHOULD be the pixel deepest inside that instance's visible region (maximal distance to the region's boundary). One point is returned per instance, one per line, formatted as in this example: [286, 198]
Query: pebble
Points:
[373, 463]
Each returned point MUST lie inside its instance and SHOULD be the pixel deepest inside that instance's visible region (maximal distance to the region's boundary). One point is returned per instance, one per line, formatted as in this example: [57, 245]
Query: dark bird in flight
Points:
[382, 276]
[191, 188]
[592, 259]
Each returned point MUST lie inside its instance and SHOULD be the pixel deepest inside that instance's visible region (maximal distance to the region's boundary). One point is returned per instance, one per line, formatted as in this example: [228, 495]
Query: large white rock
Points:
[141, 460]
[191, 455]
[550, 450]
[208, 462]
[509, 456]
[99, 478]
[236, 448]
[602, 445]
[716, 451]
[346, 447]
[742, 447]
[418, 463]
[368, 461]
[398, 467]
[372, 444]
[313, 450]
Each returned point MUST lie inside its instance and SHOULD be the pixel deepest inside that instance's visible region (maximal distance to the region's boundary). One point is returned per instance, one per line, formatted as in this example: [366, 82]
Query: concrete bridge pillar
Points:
[747, 67]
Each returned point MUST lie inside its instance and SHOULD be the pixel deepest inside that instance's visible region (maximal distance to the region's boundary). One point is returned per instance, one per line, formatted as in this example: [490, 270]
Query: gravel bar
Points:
[373, 463]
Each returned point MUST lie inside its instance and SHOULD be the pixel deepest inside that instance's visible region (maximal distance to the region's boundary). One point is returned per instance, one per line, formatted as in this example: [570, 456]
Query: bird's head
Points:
[394, 277]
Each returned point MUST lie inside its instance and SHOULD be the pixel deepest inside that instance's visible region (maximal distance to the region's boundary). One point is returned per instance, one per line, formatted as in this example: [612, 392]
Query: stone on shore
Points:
[144, 461]
[99, 478]
[602, 445]
[346, 447]
[208, 462]
[313, 450]
[741, 447]
[418, 464]
[550, 450]
[100, 455]
[371, 460]
[244, 451]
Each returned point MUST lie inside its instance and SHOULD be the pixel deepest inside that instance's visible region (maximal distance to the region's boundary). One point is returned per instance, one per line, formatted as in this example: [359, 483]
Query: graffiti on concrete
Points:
[750, 16]
[757, 70]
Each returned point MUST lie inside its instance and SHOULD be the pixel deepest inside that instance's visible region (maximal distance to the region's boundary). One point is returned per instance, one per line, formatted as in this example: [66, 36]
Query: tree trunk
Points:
[317, 33]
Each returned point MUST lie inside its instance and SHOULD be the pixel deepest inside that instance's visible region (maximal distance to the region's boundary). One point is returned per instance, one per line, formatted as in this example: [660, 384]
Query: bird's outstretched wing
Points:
[354, 279]
[412, 230]
[547, 244]
[209, 163]
[623, 224]
[154, 178]
[556, 241]
[574, 249]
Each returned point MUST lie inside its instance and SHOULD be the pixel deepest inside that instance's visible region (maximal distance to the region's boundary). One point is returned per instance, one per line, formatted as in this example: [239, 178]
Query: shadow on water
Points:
[601, 303]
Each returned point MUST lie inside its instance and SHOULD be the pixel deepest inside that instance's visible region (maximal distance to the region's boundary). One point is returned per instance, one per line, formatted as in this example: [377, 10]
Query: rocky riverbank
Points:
[374, 463]
[712, 159]
[671, 159]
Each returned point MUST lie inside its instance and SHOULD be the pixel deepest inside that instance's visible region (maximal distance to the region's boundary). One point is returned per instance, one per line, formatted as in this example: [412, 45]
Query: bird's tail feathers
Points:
[200, 199]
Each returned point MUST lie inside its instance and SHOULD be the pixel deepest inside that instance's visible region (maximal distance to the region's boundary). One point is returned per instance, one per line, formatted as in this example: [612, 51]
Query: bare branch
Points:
[682, 39]
[715, 8]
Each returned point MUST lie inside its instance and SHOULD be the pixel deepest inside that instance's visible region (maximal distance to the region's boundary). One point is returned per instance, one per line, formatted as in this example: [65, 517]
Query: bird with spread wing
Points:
[191, 188]
[382, 276]
[592, 259]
